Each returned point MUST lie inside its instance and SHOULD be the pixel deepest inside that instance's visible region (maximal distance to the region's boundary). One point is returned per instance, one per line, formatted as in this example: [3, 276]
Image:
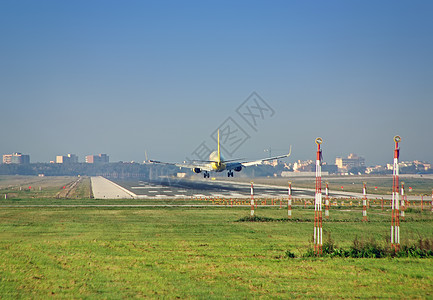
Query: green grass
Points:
[420, 185]
[199, 253]
[34, 187]
[194, 252]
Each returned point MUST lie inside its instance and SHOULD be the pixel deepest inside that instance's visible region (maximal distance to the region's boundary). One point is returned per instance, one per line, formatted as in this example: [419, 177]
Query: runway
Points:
[185, 188]
[103, 188]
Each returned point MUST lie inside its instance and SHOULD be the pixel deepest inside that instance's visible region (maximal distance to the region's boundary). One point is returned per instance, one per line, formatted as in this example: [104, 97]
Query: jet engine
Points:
[238, 168]
[196, 170]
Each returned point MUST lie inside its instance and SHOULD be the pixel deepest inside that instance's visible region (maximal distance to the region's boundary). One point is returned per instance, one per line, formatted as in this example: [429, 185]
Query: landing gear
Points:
[206, 175]
[230, 174]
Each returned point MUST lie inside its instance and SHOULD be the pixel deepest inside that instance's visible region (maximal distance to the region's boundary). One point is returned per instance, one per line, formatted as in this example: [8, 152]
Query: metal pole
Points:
[318, 201]
[327, 201]
[395, 214]
[364, 203]
[403, 204]
[252, 199]
[289, 202]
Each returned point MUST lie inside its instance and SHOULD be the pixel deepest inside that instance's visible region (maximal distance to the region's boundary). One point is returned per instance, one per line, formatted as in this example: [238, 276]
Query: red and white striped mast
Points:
[327, 201]
[252, 199]
[289, 202]
[403, 204]
[395, 215]
[318, 201]
[364, 202]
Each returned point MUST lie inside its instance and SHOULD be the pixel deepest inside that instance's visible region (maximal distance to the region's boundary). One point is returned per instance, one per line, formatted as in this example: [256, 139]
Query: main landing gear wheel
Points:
[230, 174]
[206, 175]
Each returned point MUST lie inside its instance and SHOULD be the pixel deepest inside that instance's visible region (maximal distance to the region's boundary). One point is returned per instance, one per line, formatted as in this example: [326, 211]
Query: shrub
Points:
[290, 254]
[363, 248]
[367, 249]
[255, 219]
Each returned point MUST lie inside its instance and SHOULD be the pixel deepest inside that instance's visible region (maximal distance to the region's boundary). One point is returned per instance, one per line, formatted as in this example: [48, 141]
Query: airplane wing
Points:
[229, 165]
[260, 161]
[204, 167]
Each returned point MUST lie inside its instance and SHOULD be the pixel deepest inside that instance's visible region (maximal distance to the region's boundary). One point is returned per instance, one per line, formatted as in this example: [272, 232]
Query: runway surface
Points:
[103, 188]
[185, 188]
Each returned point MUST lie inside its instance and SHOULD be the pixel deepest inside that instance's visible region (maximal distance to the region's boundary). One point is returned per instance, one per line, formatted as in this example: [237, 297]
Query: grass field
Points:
[421, 185]
[34, 187]
[199, 253]
[195, 252]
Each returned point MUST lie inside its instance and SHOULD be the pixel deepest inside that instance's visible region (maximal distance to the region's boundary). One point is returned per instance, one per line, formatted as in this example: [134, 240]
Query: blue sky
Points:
[122, 77]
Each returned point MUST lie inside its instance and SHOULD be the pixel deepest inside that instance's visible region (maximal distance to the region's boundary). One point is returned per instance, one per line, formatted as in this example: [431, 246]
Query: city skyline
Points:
[339, 161]
[129, 78]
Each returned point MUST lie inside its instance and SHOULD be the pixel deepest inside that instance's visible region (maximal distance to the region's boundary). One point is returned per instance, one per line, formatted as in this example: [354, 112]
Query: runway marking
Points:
[213, 189]
[199, 195]
[144, 187]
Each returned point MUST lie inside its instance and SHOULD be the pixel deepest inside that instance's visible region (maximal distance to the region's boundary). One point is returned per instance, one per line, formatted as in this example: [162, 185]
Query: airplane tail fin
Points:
[219, 151]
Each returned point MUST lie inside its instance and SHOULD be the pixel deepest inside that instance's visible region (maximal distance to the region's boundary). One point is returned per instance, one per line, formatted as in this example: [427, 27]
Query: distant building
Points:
[375, 169]
[304, 166]
[310, 166]
[273, 162]
[16, 158]
[352, 161]
[412, 166]
[66, 159]
[423, 164]
[97, 159]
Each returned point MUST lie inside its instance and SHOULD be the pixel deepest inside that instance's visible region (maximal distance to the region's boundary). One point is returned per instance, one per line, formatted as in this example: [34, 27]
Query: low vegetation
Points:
[370, 248]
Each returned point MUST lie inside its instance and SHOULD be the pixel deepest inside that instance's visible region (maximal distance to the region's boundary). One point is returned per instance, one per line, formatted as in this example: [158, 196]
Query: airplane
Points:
[217, 163]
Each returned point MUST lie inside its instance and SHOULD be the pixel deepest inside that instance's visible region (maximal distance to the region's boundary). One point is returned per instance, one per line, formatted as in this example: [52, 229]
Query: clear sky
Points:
[122, 77]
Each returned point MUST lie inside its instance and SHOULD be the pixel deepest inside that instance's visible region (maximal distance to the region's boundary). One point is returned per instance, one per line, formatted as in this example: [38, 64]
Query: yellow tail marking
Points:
[219, 152]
